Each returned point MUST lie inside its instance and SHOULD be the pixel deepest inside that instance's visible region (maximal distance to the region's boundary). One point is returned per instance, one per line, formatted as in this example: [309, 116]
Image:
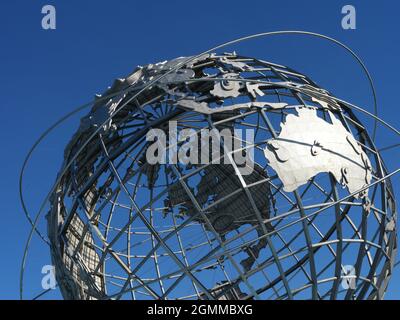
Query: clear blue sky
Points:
[45, 74]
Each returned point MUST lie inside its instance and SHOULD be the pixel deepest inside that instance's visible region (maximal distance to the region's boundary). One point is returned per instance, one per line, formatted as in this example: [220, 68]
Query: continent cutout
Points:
[308, 145]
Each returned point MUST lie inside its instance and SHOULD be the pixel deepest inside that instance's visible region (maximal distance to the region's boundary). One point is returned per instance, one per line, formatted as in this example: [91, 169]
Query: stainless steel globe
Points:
[312, 218]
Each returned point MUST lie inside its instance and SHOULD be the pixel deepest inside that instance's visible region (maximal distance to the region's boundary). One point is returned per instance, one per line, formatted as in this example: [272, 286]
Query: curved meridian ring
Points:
[120, 227]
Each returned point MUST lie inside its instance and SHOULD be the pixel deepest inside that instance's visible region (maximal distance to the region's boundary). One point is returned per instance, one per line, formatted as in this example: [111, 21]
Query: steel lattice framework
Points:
[122, 228]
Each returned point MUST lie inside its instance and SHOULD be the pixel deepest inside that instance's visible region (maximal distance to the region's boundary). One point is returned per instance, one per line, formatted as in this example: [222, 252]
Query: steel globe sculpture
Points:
[297, 206]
